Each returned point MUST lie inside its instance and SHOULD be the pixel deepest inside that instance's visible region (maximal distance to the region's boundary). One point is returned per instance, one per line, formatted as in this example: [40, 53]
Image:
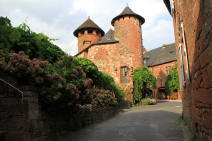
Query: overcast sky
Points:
[59, 18]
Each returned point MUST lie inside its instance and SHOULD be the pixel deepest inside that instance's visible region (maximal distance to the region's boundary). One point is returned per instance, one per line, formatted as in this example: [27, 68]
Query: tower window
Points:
[124, 74]
[90, 31]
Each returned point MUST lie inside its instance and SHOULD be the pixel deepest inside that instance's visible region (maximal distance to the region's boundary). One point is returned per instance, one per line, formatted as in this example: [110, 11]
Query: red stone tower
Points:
[87, 34]
[127, 27]
[127, 30]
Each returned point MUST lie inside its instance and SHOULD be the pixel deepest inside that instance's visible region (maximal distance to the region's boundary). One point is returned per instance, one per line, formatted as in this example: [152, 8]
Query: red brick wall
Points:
[196, 16]
[86, 39]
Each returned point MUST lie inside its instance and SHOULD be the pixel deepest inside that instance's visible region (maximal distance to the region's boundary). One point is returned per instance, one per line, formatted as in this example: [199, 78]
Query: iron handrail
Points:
[22, 93]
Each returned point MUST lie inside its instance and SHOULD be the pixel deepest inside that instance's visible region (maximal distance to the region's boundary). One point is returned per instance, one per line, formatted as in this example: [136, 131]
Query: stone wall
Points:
[108, 59]
[26, 121]
[196, 16]
[161, 72]
[19, 118]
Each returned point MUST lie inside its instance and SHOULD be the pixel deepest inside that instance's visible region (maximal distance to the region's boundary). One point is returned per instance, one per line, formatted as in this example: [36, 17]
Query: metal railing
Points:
[19, 91]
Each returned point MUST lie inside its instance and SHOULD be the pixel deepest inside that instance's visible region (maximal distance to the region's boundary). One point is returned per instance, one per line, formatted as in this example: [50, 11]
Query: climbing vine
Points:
[143, 80]
[172, 81]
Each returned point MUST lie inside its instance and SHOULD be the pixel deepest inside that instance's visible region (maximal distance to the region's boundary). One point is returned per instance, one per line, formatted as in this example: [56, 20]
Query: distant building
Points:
[160, 61]
[117, 52]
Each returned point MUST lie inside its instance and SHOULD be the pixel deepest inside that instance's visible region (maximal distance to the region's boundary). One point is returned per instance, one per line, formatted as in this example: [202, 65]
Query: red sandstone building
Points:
[192, 25]
[160, 61]
[117, 52]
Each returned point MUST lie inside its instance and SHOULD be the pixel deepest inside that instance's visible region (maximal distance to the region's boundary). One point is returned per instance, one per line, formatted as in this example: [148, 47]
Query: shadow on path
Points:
[146, 123]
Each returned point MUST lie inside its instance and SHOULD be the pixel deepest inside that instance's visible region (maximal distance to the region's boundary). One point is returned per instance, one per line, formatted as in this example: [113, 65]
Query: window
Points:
[86, 42]
[124, 74]
[181, 64]
[172, 6]
[90, 31]
[185, 51]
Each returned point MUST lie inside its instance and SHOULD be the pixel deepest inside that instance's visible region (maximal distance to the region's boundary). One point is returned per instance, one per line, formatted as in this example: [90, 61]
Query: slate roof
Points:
[88, 24]
[108, 38]
[161, 55]
[128, 12]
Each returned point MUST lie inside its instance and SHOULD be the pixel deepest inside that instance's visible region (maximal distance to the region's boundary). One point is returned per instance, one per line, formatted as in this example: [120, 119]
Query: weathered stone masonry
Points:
[193, 24]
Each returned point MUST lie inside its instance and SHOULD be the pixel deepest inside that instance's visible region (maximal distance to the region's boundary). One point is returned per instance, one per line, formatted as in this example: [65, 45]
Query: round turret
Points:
[127, 29]
[88, 33]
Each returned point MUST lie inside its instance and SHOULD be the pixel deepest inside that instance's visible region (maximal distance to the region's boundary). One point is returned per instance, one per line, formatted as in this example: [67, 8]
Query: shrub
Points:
[21, 38]
[103, 98]
[88, 66]
[100, 79]
[147, 101]
[64, 82]
[107, 82]
[172, 81]
[143, 81]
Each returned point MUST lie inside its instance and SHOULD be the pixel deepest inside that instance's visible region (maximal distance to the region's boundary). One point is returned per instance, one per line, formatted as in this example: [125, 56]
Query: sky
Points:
[59, 18]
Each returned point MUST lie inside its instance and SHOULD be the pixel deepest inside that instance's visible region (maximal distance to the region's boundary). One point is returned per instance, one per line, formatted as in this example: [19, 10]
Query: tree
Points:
[172, 81]
[21, 38]
[143, 80]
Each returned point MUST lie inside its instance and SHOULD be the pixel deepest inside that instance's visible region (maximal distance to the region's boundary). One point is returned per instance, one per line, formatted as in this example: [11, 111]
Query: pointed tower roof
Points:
[128, 12]
[88, 24]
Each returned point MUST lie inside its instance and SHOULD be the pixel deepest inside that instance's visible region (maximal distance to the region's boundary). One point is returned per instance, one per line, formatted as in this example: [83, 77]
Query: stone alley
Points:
[145, 123]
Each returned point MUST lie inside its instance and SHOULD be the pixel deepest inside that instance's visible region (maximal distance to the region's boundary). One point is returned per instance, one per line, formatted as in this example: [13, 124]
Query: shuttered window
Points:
[185, 52]
[181, 64]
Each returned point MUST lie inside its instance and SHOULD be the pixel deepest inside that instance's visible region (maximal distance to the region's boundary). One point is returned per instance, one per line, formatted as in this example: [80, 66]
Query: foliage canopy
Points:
[21, 38]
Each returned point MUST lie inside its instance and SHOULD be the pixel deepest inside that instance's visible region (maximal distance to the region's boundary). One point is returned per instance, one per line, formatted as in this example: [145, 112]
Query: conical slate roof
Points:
[88, 24]
[128, 12]
[108, 38]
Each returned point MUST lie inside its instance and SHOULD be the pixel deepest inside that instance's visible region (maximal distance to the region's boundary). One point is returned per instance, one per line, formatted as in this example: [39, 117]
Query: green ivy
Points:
[143, 80]
[172, 81]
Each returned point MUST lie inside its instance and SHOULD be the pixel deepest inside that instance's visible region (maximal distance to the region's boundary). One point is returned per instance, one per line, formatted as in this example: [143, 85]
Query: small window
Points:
[185, 51]
[124, 74]
[181, 64]
[90, 31]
